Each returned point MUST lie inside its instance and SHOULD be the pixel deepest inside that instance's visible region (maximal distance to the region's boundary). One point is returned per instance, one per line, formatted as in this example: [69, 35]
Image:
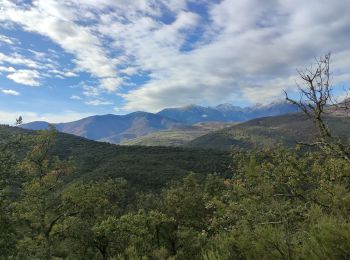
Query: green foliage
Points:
[92, 204]
[281, 205]
[275, 204]
[10, 182]
[7, 233]
[144, 168]
[40, 205]
[167, 138]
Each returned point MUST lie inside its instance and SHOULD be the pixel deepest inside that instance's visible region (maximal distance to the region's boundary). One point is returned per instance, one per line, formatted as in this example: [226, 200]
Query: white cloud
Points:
[111, 84]
[61, 24]
[18, 59]
[98, 102]
[7, 40]
[70, 74]
[75, 97]
[61, 27]
[90, 91]
[10, 92]
[44, 64]
[56, 20]
[63, 74]
[129, 9]
[129, 71]
[26, 77]
[7, 69]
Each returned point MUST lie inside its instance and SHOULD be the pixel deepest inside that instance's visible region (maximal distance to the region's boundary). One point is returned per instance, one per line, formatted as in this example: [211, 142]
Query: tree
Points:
[8, 183]
[186, 204]
[282, 204]
[19, 121]
[40, 206]
[316, 100]
[94, 203]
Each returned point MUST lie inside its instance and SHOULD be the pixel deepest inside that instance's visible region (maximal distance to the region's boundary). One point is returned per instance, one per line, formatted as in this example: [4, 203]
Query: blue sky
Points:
[62, 60]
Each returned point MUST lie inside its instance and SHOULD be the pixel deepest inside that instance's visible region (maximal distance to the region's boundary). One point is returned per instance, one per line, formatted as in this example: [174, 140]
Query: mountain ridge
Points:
[227, 112]
[112, 128]
[288, 129]
[122, 128]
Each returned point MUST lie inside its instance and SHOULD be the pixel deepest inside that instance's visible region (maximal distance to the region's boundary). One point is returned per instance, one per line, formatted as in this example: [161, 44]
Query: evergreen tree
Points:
[40, 207]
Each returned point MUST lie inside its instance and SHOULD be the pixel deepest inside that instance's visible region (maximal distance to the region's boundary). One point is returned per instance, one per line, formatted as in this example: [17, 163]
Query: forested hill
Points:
[143, 167]
[269, 131]
[272, 204]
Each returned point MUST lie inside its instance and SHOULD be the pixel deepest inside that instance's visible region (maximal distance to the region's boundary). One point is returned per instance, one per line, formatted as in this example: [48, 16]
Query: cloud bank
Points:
[161, 53]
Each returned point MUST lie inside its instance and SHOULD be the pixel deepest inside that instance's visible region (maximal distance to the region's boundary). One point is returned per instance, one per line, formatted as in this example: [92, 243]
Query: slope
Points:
[143, 167]
[177, 137]
[112, 128]
[269, 131]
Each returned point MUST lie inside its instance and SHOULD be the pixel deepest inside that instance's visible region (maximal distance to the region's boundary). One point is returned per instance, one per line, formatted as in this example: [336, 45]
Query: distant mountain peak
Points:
[227, 112]
[278, 102]
[191, 106]
[36, 125]
[258, 105]
[225, 107]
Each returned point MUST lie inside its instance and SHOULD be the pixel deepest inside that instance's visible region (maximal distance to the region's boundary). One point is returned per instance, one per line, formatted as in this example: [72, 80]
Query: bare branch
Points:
[316, 99]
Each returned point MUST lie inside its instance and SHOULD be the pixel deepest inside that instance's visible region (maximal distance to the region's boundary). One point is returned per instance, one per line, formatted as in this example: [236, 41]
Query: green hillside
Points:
[269, 131]
[271, 204]
[177, 137]
[142, 167]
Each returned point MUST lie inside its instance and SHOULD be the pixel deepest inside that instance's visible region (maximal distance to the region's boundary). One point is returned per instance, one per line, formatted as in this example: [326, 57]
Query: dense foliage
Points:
[275, 204]
[144, 168]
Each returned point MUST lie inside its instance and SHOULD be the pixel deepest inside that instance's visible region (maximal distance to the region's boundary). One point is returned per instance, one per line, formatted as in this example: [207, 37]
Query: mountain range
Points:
[123, 128]
[226, 112]
[112, 128]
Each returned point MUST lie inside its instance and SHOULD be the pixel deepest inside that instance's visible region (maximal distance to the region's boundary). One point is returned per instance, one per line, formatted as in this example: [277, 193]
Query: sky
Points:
[61, 60]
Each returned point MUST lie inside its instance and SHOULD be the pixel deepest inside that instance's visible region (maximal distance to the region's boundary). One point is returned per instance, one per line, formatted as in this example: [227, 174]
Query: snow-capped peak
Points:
[226, 107]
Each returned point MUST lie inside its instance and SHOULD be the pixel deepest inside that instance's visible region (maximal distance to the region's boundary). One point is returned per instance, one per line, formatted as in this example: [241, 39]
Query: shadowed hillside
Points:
[268, 131]
[142, 167]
